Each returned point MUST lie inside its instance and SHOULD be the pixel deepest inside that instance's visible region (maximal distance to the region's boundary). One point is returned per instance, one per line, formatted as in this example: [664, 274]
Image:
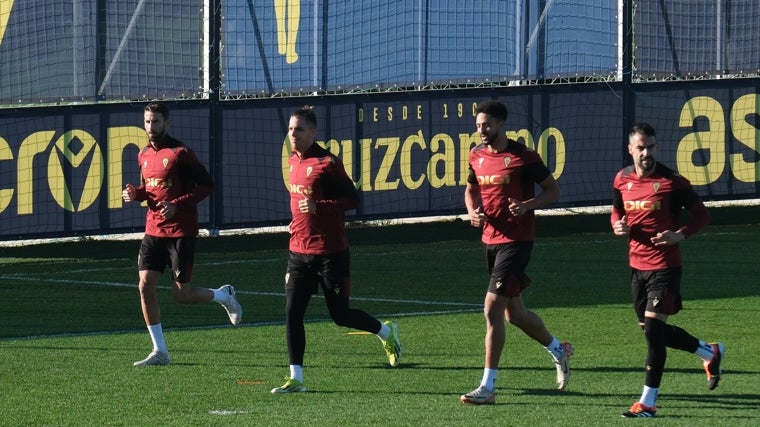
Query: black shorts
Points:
[656, 291]
[156, 253]
[506, 265]
[309, 272]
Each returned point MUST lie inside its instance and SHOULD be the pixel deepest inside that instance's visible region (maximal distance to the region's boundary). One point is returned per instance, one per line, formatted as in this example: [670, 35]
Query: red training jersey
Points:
[512, 173]
[320, 176]
[652, 205]
[172, 172]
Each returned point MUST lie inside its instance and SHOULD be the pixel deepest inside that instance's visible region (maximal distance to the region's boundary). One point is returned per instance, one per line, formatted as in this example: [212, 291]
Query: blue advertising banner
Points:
[711, 136]
[408, 156]
[62, 169]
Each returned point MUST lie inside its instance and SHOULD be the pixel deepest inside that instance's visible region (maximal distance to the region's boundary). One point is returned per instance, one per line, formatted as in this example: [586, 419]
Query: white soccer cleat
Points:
[712, 368]
[563, 365]
[292, 385]
[232, 306]
[392, 345]
[155, 358]
[479, 396]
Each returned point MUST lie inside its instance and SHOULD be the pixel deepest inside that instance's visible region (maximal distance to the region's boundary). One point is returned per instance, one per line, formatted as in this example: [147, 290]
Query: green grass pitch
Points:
[70, 328]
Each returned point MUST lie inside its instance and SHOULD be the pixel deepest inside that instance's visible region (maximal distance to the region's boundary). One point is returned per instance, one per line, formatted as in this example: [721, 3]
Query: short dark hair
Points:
[644, 129]
[493, 108]
[156, 107]
[307, 113]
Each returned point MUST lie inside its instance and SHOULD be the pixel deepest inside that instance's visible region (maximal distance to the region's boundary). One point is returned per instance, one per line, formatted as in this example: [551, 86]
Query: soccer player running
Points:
[500, 198]
[647, 202]
[173, 183]
[320, 194]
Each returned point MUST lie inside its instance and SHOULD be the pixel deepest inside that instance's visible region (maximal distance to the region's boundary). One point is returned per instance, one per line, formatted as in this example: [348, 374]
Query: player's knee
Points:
[517, 315]
[654, 331]
[143, 287]
[494, 309]
[146, 289]
[488, 312]
[494, 317]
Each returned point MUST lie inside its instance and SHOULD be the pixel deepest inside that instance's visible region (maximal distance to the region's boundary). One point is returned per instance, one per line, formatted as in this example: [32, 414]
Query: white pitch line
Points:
[208, 327]
[228, 411]
[272, 294]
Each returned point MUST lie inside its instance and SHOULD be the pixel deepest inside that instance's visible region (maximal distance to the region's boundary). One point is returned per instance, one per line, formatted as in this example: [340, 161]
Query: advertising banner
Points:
[62, 169]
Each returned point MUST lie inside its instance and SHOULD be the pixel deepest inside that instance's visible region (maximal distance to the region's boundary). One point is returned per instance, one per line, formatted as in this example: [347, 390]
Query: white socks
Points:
[705, 351]
[385, 331]
[296, 372]
[221, 296]
[489, 375]
[649, 396]
[489, 378]
[555, 348]
[157, 336]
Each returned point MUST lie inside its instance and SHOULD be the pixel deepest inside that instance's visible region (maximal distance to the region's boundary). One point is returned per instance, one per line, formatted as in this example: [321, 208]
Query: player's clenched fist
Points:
[129, 192]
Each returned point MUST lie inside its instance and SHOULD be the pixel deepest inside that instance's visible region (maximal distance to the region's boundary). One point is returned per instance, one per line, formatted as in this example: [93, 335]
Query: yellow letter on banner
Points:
[6, 194]
[406, 160]
[5, 13]
[118, 140]
[286, 151]
[466, 142]
[559, 149]
[32, 145]
[747, 135]
[56, 179]
[447, 160]
[710, 143]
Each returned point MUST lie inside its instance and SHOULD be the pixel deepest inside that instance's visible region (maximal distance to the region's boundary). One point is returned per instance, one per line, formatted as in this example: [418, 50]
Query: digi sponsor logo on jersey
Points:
[306, 190]
[641, 205]
[493, 179]
[158, 183]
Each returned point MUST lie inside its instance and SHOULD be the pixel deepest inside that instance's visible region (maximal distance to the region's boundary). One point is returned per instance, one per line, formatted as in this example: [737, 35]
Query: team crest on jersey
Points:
[630, 185]
[507, 161]
[309, 170]
[165, 162]
[480, 162]
[656, 186]
[145, 164]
